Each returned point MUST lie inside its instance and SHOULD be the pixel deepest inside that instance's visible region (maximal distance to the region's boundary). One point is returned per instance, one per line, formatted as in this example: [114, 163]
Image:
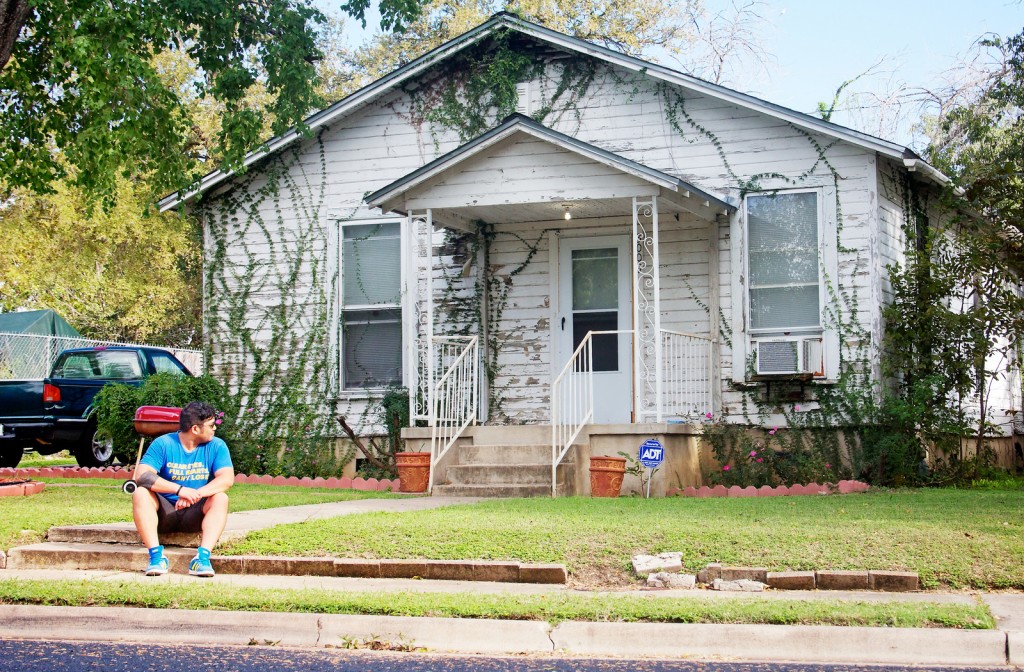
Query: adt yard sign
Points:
[652, 453]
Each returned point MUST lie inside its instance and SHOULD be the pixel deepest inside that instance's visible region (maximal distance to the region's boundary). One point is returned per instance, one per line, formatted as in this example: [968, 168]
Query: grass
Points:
[952, 538]
[25, 520]
[552, 608]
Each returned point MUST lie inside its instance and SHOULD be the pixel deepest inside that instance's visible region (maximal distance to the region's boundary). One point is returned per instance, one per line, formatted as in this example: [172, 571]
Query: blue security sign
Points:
[652, 453]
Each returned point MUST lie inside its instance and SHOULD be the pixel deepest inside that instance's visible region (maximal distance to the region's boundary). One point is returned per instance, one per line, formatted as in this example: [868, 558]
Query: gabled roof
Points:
[696, 200]
[510, 21]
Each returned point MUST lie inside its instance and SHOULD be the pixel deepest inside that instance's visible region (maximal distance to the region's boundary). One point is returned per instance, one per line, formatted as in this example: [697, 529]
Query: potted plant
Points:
[606, 474]
[413, 471]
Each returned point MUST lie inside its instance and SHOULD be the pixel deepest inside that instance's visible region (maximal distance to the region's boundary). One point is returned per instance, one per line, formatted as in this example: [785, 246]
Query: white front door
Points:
[594, 295]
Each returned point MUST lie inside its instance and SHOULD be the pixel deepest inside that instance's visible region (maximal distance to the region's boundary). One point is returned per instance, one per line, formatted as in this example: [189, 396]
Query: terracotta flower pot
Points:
[606, 475]
[413, 471]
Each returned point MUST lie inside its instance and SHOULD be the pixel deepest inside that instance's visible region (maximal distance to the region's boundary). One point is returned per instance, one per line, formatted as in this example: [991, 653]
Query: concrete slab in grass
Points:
[894, 582]
[740, 573]
[790, 580]
[841, 580]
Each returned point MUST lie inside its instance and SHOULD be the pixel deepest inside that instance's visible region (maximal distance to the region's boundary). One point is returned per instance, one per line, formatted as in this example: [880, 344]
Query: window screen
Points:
[371, 305]
[783, 262]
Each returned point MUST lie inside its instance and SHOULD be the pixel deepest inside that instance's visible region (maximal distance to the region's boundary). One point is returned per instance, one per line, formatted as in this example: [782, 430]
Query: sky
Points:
[819, 44]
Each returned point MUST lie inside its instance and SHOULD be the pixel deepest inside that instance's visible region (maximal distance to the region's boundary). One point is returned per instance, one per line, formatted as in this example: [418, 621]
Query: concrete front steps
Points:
[501, 462]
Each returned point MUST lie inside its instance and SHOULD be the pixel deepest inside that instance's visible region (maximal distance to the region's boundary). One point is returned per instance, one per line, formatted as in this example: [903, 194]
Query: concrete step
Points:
[117, 557]
[485, 435]
[502, 490]
[501, 474]
[124, 558]
[505, 454]
[122, 533]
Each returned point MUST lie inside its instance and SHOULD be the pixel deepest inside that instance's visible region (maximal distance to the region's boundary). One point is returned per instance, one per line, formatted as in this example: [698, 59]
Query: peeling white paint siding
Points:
[380, 143]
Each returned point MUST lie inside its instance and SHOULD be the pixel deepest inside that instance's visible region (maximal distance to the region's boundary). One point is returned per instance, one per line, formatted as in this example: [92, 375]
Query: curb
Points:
[820, 644]
[67, 556]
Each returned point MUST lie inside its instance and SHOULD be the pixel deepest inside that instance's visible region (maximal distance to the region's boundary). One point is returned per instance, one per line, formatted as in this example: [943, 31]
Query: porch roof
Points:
[524, 171]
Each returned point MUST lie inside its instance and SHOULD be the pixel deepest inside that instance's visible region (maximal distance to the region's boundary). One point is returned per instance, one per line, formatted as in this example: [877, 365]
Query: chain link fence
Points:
[30, 356]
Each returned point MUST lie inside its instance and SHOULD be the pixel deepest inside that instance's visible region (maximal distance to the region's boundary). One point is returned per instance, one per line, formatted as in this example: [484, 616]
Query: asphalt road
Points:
[121, 657]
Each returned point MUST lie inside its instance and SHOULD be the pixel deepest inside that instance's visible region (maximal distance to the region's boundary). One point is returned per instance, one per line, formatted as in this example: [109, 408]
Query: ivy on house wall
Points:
[269, 300]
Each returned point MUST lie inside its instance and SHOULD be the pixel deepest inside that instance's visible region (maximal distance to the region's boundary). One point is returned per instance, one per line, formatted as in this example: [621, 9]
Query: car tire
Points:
[10, 456]
[96, 449]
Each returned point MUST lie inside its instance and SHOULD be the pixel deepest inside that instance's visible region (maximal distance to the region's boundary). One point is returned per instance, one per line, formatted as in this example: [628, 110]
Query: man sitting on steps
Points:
[184, 477]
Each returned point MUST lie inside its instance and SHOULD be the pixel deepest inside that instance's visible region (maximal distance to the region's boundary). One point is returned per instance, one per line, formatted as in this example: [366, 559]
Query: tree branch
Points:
[367, 453]
[13, 14]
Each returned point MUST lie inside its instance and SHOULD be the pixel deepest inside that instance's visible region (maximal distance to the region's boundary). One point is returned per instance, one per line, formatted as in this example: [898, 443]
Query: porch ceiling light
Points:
[567, 215]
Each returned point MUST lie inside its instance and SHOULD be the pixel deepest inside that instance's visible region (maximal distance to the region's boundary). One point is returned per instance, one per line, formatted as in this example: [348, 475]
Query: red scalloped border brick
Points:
[841, 488]
[21, 489]
[120, 473]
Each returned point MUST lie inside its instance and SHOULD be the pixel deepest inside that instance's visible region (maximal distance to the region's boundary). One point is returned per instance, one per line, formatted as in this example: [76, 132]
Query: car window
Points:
[164, 363]
[77, 366]
[119, 364]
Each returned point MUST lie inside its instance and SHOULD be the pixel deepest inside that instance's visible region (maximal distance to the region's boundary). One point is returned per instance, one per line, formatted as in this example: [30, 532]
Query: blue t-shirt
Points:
[190, 469]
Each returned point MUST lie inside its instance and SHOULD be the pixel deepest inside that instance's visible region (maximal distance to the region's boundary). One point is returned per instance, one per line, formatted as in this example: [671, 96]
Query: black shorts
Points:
[179, 520]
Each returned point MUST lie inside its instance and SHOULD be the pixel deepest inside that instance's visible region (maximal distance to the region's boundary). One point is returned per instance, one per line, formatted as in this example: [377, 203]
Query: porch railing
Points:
[686, 375]
[453, 399]
[572, 401]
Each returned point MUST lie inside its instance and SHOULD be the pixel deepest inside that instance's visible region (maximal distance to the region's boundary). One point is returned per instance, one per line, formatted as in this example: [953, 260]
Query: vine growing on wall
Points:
[268, 294]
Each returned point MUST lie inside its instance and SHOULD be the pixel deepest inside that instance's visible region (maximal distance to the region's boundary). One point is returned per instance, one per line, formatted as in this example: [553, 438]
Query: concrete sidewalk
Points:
[822, 644]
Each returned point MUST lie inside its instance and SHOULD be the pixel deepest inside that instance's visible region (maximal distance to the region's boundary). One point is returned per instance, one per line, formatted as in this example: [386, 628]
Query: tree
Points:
[80, 95]
[706, 45]
[118, 273]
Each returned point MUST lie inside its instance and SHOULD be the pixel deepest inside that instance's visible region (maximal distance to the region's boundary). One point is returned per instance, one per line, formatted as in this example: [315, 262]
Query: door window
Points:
[595, 303]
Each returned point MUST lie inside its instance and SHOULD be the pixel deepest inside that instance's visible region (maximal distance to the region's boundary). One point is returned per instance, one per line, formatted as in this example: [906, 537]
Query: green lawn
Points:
[24, 520]
[553, 608]
[952, 538]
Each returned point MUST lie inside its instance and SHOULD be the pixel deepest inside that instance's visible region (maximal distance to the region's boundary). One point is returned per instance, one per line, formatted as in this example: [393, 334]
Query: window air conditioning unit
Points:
[790, 356]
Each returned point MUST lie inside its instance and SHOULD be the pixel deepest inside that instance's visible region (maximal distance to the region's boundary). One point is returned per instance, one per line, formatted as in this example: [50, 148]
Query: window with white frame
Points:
[371, 305]
[783, 263]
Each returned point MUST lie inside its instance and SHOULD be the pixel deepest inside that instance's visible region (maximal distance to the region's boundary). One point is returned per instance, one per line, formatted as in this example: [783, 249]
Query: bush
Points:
[116, 405]
[776, 457]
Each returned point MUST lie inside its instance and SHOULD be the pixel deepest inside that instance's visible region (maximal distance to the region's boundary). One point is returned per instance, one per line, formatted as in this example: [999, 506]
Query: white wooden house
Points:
[657, 249]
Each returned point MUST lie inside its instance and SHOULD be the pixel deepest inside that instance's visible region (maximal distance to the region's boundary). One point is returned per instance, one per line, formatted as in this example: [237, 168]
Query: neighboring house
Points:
[731, 244]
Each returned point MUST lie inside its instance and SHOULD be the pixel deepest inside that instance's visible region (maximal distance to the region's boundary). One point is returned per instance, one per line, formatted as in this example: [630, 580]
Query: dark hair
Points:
[195, 413]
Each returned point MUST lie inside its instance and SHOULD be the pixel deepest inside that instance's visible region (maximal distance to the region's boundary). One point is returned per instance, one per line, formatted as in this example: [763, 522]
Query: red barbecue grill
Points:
[151, 421]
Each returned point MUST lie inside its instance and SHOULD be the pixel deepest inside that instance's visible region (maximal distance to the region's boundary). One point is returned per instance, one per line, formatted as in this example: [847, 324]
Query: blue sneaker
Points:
[157, 566]
[200, 567]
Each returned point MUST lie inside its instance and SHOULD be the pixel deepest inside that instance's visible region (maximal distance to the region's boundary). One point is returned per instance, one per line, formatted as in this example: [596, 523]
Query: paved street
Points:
[120, 657]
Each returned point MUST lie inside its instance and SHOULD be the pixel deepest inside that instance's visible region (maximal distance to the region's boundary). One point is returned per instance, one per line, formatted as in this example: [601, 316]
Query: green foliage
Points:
[634, 467]
[115, 407]
[124, 273]
[771, 457]
[82, 89]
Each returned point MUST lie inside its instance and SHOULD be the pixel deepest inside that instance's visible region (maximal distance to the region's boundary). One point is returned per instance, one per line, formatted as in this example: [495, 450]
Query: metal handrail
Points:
[576, 396]
[453, 403]
[686, 374]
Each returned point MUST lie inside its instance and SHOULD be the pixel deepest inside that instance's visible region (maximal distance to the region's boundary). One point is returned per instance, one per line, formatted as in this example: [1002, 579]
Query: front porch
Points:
[515, 461]
[612, 335]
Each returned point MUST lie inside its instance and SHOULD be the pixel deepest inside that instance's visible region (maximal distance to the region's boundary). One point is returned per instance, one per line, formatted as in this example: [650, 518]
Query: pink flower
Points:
[725, 468]
[753, 453]
[759, 460]
[796, 407]
[218, 421]
[828, 466]
[709, 415]
[771, 432]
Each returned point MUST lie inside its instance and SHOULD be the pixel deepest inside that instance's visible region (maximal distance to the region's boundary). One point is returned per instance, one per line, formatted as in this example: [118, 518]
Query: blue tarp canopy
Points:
[40, 322]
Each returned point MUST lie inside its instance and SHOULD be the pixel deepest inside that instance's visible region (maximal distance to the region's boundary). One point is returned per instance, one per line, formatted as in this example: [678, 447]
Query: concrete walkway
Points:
[1003, 647]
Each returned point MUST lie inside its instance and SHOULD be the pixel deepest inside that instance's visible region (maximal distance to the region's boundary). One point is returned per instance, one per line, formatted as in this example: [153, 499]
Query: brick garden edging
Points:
[21, 488]
[882, 580]
[842, 488]
[120, 473]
